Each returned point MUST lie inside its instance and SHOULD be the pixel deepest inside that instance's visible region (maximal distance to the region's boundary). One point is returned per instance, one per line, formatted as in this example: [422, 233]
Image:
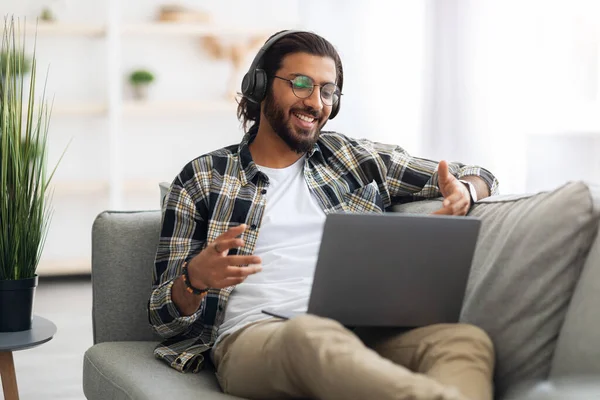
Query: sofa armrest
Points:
[123, 250]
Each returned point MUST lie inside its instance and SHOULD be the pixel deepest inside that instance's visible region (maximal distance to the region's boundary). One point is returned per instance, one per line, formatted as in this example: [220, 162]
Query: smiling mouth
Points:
[303, 117]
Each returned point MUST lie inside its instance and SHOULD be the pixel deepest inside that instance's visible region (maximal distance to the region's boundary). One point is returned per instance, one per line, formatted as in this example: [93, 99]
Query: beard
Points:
[299, 140]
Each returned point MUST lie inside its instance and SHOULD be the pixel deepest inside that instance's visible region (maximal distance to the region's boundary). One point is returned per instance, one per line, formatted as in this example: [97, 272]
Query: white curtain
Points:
[515, 88]
[382, 46]
[511, 85]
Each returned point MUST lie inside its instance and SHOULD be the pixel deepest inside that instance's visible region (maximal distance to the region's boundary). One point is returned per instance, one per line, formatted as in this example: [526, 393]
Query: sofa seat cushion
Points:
[128, 370]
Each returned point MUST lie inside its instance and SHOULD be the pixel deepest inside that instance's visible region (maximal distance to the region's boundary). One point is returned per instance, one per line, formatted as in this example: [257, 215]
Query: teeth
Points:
[304, 117]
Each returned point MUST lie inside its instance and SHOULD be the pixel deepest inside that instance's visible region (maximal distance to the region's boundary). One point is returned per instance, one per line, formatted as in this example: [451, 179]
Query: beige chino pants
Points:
[318, 358]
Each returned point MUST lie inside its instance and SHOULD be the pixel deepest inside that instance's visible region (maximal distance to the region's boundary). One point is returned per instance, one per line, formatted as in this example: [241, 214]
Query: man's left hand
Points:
[457, 199]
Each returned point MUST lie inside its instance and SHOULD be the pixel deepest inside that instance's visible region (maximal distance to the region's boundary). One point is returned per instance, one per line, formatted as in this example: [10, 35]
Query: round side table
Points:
[42, 330]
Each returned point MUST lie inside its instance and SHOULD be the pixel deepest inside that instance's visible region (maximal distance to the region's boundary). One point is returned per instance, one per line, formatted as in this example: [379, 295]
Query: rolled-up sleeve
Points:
[410, 178]
[182, 236]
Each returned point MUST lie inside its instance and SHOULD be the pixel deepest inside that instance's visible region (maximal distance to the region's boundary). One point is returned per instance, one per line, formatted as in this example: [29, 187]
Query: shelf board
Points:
[145, 108]
[150, 108]
[84, 109]
[101, 187]
[191, 29]
[65, 29]
[69, 188]
[67, 266]
[148, 28]
[141, 186]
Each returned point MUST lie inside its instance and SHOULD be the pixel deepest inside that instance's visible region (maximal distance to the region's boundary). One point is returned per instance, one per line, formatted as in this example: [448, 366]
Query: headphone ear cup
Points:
[260, 85]
[247, 85]
[335, 109]
[254, 85]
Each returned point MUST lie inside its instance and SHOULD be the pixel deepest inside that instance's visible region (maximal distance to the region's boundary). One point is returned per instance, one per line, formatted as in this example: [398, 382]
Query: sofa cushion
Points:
[578, 349]
[128, 370]
[123, 250]
[529, 257]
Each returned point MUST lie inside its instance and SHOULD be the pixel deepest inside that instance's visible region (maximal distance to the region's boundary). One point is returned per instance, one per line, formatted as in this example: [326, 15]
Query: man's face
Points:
[298, 121]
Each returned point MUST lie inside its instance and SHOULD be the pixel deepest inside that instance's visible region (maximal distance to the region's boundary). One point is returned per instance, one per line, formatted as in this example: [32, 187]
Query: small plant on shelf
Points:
[47, 15]
[140, 80]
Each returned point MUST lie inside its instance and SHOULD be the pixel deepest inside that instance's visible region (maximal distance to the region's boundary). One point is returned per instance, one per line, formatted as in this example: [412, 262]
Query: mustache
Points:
[309, 111]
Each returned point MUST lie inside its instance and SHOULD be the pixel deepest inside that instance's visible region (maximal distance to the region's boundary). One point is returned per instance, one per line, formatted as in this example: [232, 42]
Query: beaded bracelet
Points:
[188, 285]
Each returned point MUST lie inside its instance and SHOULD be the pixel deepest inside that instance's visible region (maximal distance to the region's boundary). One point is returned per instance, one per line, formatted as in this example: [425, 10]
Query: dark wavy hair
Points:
[298, 42]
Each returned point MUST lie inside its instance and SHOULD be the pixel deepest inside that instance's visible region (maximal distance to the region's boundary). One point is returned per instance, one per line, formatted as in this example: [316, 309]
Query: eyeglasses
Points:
[303, 87]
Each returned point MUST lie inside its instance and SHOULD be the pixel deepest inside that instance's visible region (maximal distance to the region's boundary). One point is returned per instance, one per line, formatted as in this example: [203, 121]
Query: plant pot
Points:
[16, 304]
[140, 91]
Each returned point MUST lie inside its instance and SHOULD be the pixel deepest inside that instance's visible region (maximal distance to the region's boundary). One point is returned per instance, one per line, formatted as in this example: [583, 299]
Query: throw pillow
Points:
[529, 256]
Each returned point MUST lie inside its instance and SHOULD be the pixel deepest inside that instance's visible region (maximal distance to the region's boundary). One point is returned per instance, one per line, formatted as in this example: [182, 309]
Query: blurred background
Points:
[142, 87]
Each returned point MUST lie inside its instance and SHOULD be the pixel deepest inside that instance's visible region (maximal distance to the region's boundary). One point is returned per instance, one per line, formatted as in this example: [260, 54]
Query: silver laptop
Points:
[393, 269]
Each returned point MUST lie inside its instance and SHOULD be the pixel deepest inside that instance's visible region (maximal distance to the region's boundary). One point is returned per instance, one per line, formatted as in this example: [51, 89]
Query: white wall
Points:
[382, 45]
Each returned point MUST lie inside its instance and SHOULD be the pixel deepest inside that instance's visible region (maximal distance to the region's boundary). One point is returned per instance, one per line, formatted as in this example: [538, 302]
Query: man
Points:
[241, 230]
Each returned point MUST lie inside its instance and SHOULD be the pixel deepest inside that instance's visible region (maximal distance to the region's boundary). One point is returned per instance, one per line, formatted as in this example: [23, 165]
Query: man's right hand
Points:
[213, 268]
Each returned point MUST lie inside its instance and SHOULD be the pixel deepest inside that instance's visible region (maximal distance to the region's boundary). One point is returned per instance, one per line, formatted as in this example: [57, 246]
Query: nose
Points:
[314, 100]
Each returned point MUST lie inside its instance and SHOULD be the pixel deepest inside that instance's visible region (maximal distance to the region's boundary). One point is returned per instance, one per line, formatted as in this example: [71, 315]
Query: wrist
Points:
[192, 286]
[471, 189]
[187, 304]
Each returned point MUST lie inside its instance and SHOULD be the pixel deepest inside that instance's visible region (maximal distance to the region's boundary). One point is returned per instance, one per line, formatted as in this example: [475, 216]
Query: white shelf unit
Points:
[114, 108]
[114, 34]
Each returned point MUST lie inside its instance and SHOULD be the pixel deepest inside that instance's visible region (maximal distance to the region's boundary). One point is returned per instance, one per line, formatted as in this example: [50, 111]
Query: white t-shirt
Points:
[288, 244]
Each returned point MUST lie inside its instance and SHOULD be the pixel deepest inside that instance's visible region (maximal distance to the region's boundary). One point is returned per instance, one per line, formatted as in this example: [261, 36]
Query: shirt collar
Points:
[248, 170]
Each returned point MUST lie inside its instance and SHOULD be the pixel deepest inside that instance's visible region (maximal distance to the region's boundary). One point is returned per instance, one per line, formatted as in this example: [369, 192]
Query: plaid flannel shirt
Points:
[222, 189]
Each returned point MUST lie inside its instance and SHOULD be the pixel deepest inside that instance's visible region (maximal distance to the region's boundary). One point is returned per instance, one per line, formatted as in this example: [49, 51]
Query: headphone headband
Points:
[266, 46]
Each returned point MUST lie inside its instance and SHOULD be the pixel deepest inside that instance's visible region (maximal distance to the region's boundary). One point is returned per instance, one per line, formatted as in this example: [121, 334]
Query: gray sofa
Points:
[534, 287]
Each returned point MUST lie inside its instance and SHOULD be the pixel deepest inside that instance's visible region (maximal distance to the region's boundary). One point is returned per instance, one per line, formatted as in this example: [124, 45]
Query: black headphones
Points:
[254, 84]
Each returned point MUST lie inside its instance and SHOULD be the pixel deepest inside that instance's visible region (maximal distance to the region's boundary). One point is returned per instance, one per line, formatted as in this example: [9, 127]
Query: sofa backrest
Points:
[123, 250]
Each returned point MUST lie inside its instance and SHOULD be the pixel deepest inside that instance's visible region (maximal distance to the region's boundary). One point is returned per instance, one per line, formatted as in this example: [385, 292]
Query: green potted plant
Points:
[24, 192]
[140, 80]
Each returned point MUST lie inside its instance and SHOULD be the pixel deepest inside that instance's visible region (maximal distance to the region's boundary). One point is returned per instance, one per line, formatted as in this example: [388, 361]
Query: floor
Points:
[54, 369]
